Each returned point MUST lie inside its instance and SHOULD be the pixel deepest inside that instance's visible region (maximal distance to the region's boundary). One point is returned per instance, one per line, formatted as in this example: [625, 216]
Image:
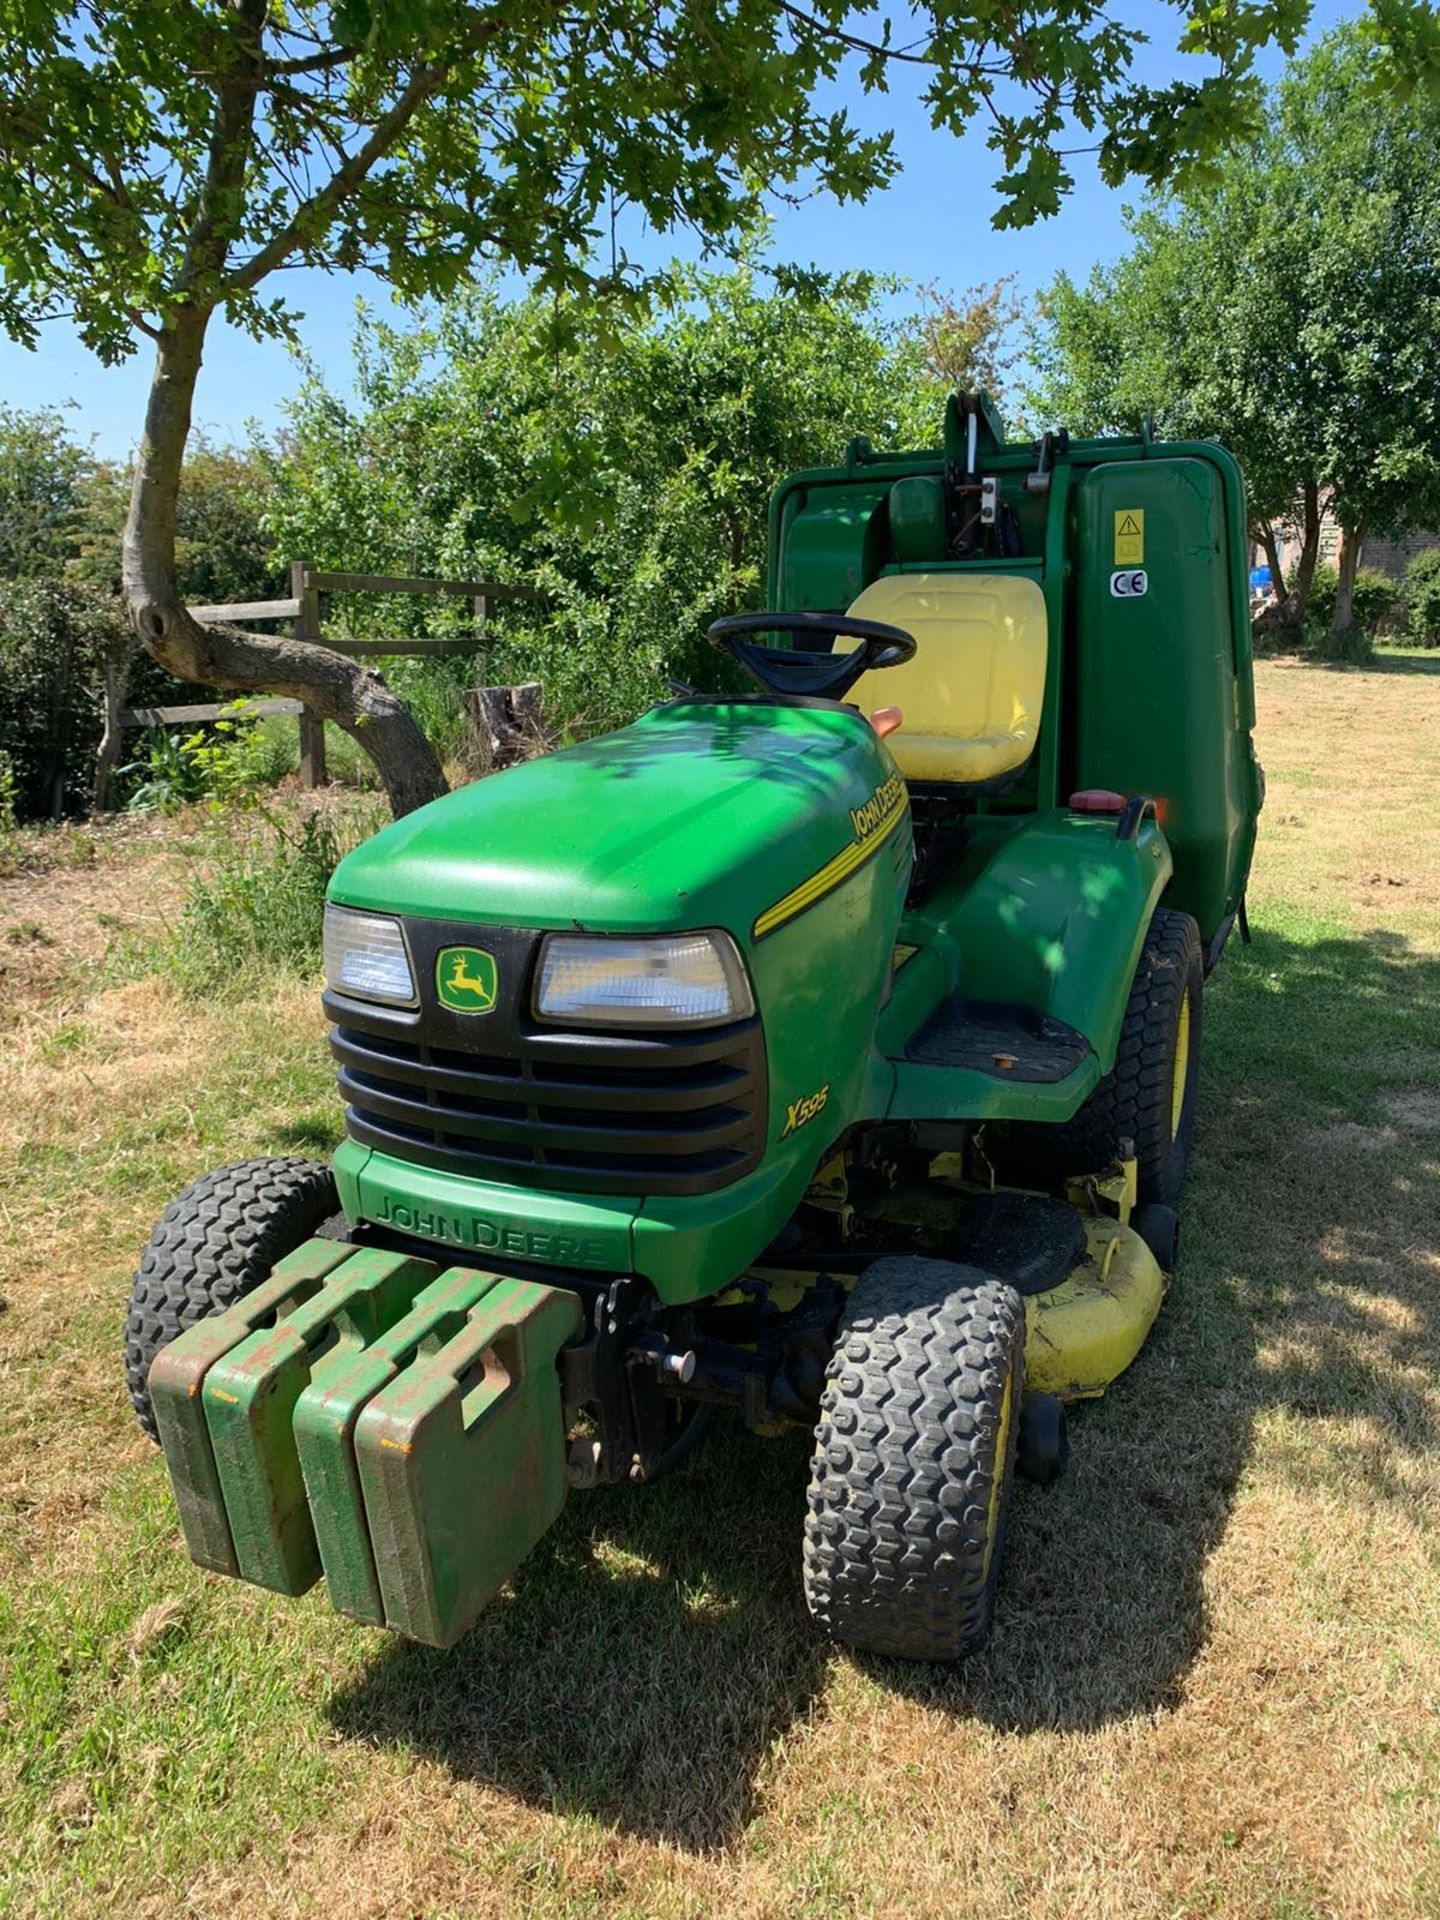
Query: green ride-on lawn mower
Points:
[769, 1055]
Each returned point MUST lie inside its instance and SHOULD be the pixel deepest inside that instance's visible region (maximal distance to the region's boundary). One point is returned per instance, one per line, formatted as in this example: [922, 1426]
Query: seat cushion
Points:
[972, 695]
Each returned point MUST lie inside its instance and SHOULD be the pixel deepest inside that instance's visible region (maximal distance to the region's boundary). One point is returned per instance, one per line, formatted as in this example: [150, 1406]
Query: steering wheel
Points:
[800, 672]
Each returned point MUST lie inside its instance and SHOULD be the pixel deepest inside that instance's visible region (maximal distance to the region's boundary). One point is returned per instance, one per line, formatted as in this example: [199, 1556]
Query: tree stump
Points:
[506, 726]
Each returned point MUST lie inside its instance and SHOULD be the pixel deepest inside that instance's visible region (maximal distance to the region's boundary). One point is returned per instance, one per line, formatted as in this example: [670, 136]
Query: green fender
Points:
[1052, 914]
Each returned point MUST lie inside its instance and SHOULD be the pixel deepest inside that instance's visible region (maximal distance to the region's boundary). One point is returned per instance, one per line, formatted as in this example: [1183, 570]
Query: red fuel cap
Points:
[1096, 800]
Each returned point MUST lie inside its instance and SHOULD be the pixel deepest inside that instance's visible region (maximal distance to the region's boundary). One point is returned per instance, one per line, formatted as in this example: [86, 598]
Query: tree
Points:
[60, 634]
[631, 477]
[1290, 310]
[163, 160]
[57, 637]
[65, 649]
[222, 552]
[967, 339]
[42, 470]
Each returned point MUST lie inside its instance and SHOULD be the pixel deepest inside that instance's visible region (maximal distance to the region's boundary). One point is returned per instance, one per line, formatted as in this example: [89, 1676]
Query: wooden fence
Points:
[307, 610]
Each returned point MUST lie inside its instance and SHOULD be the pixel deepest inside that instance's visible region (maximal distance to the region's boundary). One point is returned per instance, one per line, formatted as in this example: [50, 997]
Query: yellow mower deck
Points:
[1083, 1334]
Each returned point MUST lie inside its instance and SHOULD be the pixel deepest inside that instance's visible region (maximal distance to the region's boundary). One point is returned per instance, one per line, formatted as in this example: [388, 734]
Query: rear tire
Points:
[1043, 1453]
[214, 1244]
[913, 1460]
[1159, 1228]
[1149, 1097]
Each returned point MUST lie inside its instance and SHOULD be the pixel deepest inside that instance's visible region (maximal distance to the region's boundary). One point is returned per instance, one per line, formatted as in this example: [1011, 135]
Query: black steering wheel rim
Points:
[804, 673]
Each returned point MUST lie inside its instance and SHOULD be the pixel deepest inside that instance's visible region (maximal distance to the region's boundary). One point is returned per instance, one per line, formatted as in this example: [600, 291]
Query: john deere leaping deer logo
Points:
[465, 979]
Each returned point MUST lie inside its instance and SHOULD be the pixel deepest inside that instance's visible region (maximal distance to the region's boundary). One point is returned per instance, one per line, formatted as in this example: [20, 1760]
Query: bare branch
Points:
[854, 41]
[316, 212]
[306, 63]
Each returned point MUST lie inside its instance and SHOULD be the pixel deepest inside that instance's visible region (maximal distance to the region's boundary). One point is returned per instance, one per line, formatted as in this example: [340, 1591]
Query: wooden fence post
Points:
[116, 680]
[307, 627]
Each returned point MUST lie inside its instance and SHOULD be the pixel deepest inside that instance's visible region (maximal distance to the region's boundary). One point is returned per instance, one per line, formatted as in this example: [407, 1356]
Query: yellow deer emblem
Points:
[465, 977]
[463, 981]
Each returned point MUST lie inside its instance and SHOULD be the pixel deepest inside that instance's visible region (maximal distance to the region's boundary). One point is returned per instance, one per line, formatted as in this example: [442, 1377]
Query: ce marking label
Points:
[1130, 583]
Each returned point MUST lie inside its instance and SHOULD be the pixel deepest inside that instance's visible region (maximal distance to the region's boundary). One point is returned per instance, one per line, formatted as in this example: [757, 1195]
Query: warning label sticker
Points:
[1130, 537]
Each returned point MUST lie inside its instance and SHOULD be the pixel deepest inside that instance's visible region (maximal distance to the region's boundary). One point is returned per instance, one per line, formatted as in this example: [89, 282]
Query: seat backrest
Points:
[972, 695]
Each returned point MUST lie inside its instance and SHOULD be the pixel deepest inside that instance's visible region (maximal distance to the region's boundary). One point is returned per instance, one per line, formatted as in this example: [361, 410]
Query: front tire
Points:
[214, 1244]
[913, 1460]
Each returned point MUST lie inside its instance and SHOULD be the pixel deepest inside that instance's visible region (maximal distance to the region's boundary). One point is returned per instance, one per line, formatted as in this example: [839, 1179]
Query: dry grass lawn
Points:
[1215, 1684]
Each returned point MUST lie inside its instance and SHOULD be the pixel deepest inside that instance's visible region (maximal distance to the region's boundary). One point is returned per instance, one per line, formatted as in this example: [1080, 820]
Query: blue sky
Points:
[932, 225]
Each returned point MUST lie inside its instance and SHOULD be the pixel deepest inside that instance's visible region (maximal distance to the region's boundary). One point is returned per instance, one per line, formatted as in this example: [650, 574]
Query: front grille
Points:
[592, 1112]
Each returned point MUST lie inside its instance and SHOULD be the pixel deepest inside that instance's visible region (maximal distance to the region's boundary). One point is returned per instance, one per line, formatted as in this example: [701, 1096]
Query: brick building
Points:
[1390, 557]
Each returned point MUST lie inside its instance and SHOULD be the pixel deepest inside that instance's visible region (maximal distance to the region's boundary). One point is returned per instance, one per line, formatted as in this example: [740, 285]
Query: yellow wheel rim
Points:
[1182, 1067]
[997, 1477]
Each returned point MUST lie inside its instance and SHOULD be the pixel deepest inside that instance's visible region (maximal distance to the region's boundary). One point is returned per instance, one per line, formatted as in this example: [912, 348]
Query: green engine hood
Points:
[698, 814]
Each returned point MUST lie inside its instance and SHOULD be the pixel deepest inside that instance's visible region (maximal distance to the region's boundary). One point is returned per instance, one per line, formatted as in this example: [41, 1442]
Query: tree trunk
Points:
[1270, 541]
[1309, 552]
[353, 696]
[1286, 618]
[1352, 545]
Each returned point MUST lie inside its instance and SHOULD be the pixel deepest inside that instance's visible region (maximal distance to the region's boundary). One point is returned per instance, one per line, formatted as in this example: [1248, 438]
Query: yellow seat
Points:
[972, 695]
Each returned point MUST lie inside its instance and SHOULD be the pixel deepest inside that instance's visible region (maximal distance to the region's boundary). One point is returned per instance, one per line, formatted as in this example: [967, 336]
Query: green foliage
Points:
[628, 477]
[62, 512]
[54, 638]
[162, 778]
[9, 796]
[41, 472]
[967, 340]
[61, 516]
[1420, 598]
[259, 905]
[230, 762]
[237, 759]
[163, 157]
[1289, 309]
[224, 550]
[434, 690]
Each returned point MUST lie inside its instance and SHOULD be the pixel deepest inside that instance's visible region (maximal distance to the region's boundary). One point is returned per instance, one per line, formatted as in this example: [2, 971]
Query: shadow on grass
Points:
[313, 1133]
[655, 1648]
[1421, 660]
[642, 1661]
[1406, 660]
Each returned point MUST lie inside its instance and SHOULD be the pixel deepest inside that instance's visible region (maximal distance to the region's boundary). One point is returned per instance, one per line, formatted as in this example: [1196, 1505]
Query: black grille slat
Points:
[528, 1104]
[715, 1127]
[621, 1173]
[553, 1049]
[650, 1089]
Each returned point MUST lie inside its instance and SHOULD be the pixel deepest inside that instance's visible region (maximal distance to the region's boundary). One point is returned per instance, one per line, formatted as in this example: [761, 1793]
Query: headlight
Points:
[365, 956]
[671, 980]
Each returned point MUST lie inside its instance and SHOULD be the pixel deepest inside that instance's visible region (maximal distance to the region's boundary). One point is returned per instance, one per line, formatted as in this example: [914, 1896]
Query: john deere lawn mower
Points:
[822, 1055]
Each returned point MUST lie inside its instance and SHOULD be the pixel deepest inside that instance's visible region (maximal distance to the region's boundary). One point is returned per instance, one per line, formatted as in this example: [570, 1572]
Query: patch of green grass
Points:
[257, 906]
[69, 1038]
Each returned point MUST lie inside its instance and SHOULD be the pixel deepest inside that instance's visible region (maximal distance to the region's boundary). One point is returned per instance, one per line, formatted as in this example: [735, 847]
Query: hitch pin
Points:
[668, 1361]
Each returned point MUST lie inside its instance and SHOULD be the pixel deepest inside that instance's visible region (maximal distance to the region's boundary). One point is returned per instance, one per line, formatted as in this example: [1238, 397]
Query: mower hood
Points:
[697, 815]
